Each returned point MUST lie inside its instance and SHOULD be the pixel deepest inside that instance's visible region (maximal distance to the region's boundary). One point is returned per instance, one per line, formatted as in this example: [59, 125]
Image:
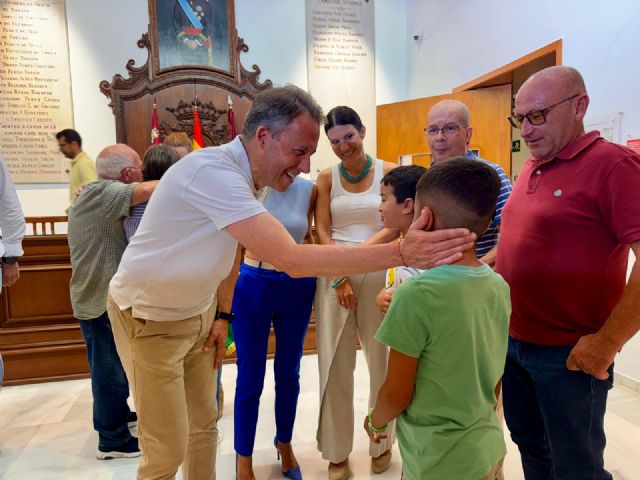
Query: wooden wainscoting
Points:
[39, 338]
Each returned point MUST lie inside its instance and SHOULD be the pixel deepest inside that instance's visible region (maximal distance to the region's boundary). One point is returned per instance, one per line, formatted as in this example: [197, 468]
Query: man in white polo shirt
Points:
[162, 297]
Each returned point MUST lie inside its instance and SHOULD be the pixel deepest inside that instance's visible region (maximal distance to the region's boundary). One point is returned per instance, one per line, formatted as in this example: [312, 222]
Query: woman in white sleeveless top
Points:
[347, 214]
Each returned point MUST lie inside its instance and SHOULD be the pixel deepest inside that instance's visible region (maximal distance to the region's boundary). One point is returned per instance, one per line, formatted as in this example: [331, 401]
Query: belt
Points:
[258, 264]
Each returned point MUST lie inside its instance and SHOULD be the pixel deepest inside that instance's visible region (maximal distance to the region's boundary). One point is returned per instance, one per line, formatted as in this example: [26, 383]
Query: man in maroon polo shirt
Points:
[566, 233]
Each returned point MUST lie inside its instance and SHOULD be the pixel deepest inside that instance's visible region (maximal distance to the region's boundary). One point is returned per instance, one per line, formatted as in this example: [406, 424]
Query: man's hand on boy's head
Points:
[423, 249]
[383, 300]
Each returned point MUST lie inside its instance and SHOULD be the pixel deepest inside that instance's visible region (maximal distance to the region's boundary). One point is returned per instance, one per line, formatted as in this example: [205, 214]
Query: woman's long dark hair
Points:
[342, 116]
[157, 160]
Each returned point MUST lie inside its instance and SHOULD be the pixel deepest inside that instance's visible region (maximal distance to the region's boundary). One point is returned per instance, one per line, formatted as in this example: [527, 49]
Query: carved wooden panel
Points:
[176, 91]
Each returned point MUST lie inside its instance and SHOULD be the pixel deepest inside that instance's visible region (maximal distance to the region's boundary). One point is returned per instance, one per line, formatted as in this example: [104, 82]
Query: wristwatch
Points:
[9, 260]
[228, 316]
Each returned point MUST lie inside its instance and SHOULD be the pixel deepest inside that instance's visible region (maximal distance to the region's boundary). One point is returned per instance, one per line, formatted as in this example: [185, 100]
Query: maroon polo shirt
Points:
[564, 239]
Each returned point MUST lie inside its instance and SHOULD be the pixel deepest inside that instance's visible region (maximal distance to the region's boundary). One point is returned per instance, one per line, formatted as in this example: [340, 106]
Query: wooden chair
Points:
[44, 225]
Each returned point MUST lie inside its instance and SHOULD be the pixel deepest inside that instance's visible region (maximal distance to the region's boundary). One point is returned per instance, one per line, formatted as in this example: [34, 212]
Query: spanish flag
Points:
[198, 142]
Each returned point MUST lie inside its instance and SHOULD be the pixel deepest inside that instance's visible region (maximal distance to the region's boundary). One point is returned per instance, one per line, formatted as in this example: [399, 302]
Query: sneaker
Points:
[128, 450]
[132, 420]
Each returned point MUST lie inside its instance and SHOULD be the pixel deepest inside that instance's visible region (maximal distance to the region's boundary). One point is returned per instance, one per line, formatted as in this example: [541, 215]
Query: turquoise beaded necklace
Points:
[350, 178]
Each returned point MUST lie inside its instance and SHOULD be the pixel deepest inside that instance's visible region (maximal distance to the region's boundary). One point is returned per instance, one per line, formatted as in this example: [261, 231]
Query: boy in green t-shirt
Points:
[397, 193]
[447, 329]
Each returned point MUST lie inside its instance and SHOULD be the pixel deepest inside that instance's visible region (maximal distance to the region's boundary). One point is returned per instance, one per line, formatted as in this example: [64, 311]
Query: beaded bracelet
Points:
[374, 429]
[404, 262]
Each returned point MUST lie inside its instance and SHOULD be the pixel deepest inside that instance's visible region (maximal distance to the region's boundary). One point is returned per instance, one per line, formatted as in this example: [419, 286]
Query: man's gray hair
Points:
[113, 159]
[277, 107]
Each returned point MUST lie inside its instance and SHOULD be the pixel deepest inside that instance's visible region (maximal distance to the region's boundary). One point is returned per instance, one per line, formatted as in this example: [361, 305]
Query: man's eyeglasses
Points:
[449, 129]
[537, 117]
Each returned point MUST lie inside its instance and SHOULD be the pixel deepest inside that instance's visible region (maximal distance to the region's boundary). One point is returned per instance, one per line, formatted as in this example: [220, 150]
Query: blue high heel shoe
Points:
[294, 473]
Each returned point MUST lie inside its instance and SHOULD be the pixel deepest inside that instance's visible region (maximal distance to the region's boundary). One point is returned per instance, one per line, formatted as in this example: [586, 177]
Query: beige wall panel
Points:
[401, 125]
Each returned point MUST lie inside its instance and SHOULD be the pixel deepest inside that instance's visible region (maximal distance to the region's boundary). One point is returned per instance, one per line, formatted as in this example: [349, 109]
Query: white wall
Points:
[466, 39]
[391, 51]
[103, 36]
[275, 33]
[628, 362]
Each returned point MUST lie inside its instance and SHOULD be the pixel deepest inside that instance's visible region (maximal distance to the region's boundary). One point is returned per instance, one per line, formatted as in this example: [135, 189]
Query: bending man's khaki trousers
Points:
[174, 389]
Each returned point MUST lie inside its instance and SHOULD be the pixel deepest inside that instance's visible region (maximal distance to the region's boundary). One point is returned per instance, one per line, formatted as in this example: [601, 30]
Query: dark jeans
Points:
[262, 297]
[108, 383]
[555, 416]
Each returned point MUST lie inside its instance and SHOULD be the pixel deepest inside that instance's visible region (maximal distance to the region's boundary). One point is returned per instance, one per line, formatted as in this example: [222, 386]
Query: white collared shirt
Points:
[11, 217]
[181, 250]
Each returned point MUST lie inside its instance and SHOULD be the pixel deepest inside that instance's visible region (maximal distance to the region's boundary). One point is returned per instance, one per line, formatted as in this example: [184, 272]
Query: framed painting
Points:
[192, 34]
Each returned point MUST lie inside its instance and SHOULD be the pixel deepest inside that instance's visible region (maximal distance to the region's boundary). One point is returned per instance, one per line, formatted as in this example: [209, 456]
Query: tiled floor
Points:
[46, 434]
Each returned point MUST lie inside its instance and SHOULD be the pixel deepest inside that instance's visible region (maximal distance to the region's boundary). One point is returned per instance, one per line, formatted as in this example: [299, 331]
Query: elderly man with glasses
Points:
[97, 241]
[449, 133]
[566, 234]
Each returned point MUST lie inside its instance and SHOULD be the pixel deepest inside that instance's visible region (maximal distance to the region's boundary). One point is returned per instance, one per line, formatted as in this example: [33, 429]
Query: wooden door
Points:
[400, 126]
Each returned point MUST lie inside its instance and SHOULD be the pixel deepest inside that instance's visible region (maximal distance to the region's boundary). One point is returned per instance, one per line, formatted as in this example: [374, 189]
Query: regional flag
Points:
[198, 142]
[231, 119]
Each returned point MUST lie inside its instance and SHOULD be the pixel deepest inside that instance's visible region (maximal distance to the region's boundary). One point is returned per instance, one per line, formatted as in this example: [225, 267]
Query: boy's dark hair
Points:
[403, 180]
[342, 116]
[157, 160]
[461, 192]
[69, 135]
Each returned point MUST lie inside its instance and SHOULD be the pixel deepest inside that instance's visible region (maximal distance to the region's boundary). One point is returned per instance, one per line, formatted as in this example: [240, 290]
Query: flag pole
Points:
[231, 118]
[155, 125]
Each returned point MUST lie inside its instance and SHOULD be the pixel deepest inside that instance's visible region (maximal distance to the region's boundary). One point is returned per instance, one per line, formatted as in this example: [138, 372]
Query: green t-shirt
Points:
[455, 320]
